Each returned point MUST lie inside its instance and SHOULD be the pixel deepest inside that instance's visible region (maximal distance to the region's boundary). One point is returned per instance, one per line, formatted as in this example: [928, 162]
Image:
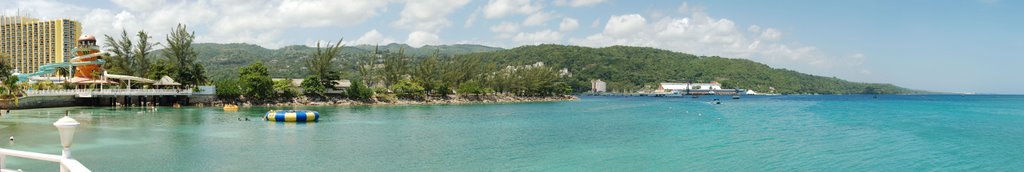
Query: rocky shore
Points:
[472, 99]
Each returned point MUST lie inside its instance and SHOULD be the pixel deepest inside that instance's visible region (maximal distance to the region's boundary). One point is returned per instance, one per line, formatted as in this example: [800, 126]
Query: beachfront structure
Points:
[697, 88]
[30, 42]
[598, 86]
[670, 87]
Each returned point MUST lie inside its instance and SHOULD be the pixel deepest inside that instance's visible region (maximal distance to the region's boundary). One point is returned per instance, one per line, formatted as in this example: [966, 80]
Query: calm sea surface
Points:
[778, 133]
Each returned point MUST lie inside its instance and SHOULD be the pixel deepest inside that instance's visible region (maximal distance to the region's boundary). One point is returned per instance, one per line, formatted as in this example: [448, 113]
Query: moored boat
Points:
[230, 107]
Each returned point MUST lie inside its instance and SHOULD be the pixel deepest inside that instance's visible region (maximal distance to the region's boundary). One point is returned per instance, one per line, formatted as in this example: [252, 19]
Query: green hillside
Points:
[223, 60]
[624, 68]
[635, 68]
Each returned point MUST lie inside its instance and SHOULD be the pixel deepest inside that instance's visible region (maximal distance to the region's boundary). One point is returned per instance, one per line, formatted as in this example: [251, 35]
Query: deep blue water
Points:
[755, 133]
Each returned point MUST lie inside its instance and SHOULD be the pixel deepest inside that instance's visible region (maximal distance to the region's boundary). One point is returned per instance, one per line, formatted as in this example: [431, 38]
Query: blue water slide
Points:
[52, 67]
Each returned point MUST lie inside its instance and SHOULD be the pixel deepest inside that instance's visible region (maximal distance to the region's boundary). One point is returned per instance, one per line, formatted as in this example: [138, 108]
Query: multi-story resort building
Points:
[27, 43]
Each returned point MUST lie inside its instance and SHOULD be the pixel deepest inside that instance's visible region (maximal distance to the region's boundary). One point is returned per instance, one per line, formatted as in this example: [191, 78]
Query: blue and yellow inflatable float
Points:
[292, 116]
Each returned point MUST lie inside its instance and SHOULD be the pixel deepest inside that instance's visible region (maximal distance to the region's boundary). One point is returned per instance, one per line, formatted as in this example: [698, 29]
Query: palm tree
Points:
[11, 90]
[64, 71]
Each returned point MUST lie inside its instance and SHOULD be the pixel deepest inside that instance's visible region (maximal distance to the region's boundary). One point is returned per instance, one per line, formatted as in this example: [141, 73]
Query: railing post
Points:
[66, 154]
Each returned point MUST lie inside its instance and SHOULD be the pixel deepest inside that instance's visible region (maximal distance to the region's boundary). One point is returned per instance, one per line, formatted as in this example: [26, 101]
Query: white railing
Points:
[66, 127]
[66, 164]
[110, 92]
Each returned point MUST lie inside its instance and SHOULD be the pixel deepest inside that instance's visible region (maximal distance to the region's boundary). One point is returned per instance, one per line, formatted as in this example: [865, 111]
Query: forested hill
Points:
[223, 60]
[634, 68]
[624, 68]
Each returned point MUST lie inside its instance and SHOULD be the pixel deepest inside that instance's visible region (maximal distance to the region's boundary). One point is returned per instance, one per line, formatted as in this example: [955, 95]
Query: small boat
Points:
[230, 107]
[292, 115]
[736, 97]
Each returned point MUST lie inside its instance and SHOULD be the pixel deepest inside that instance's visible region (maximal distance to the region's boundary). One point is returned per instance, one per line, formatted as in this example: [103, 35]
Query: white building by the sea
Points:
[699, 88]
[598, 86]
[675, 87]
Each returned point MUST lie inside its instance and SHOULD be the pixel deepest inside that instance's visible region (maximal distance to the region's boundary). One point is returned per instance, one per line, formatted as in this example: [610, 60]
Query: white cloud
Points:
[577, 3]
[421, 38]
[701, 34]
[754, 28]
[502, 8]
[125, 20]
[624, 25]
[312, 13]
[568, 24]
[373, 38]
[771, 34]
[257, 21]
[540, 37]
[428, 15]
[505, 27]
[538, 18]
[139, 5]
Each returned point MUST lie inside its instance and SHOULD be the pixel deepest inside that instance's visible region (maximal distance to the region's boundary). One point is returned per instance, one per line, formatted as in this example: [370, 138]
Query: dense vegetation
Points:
[221, 60]
[626, 69]
[9, 90]
[631, 69]
[139, 58]
[384, 75]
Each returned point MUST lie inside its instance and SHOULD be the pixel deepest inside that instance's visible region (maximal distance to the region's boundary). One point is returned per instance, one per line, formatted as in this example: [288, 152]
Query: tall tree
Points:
[427, 72]
[140, 64]
[395, 66]
[123, 51]
[5, 67]
[183, 57]
[321, 65]
[11, 89]
[367, 67]
[64, 72]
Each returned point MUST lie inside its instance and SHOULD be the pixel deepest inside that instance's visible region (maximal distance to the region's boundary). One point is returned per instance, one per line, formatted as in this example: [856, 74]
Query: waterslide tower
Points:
[87, 46]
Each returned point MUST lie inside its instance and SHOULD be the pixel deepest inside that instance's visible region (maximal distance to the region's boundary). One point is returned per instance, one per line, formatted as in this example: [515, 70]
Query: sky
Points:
[933, 45]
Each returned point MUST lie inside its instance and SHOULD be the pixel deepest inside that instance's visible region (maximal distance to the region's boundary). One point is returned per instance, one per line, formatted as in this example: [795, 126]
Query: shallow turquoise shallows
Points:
[780, 133]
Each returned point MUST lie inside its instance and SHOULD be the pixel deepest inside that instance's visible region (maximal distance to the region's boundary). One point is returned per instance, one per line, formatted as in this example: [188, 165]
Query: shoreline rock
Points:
[455, 100]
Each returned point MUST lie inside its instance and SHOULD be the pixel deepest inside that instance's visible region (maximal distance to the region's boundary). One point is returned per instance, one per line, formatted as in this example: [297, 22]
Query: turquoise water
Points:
[780, 133]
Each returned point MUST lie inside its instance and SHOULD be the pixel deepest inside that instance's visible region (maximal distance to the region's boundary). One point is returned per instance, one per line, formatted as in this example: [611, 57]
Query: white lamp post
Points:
[66, 127]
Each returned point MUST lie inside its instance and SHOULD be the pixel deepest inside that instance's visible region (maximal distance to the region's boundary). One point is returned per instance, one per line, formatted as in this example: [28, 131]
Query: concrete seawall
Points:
[32, 102]
[39, 102]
